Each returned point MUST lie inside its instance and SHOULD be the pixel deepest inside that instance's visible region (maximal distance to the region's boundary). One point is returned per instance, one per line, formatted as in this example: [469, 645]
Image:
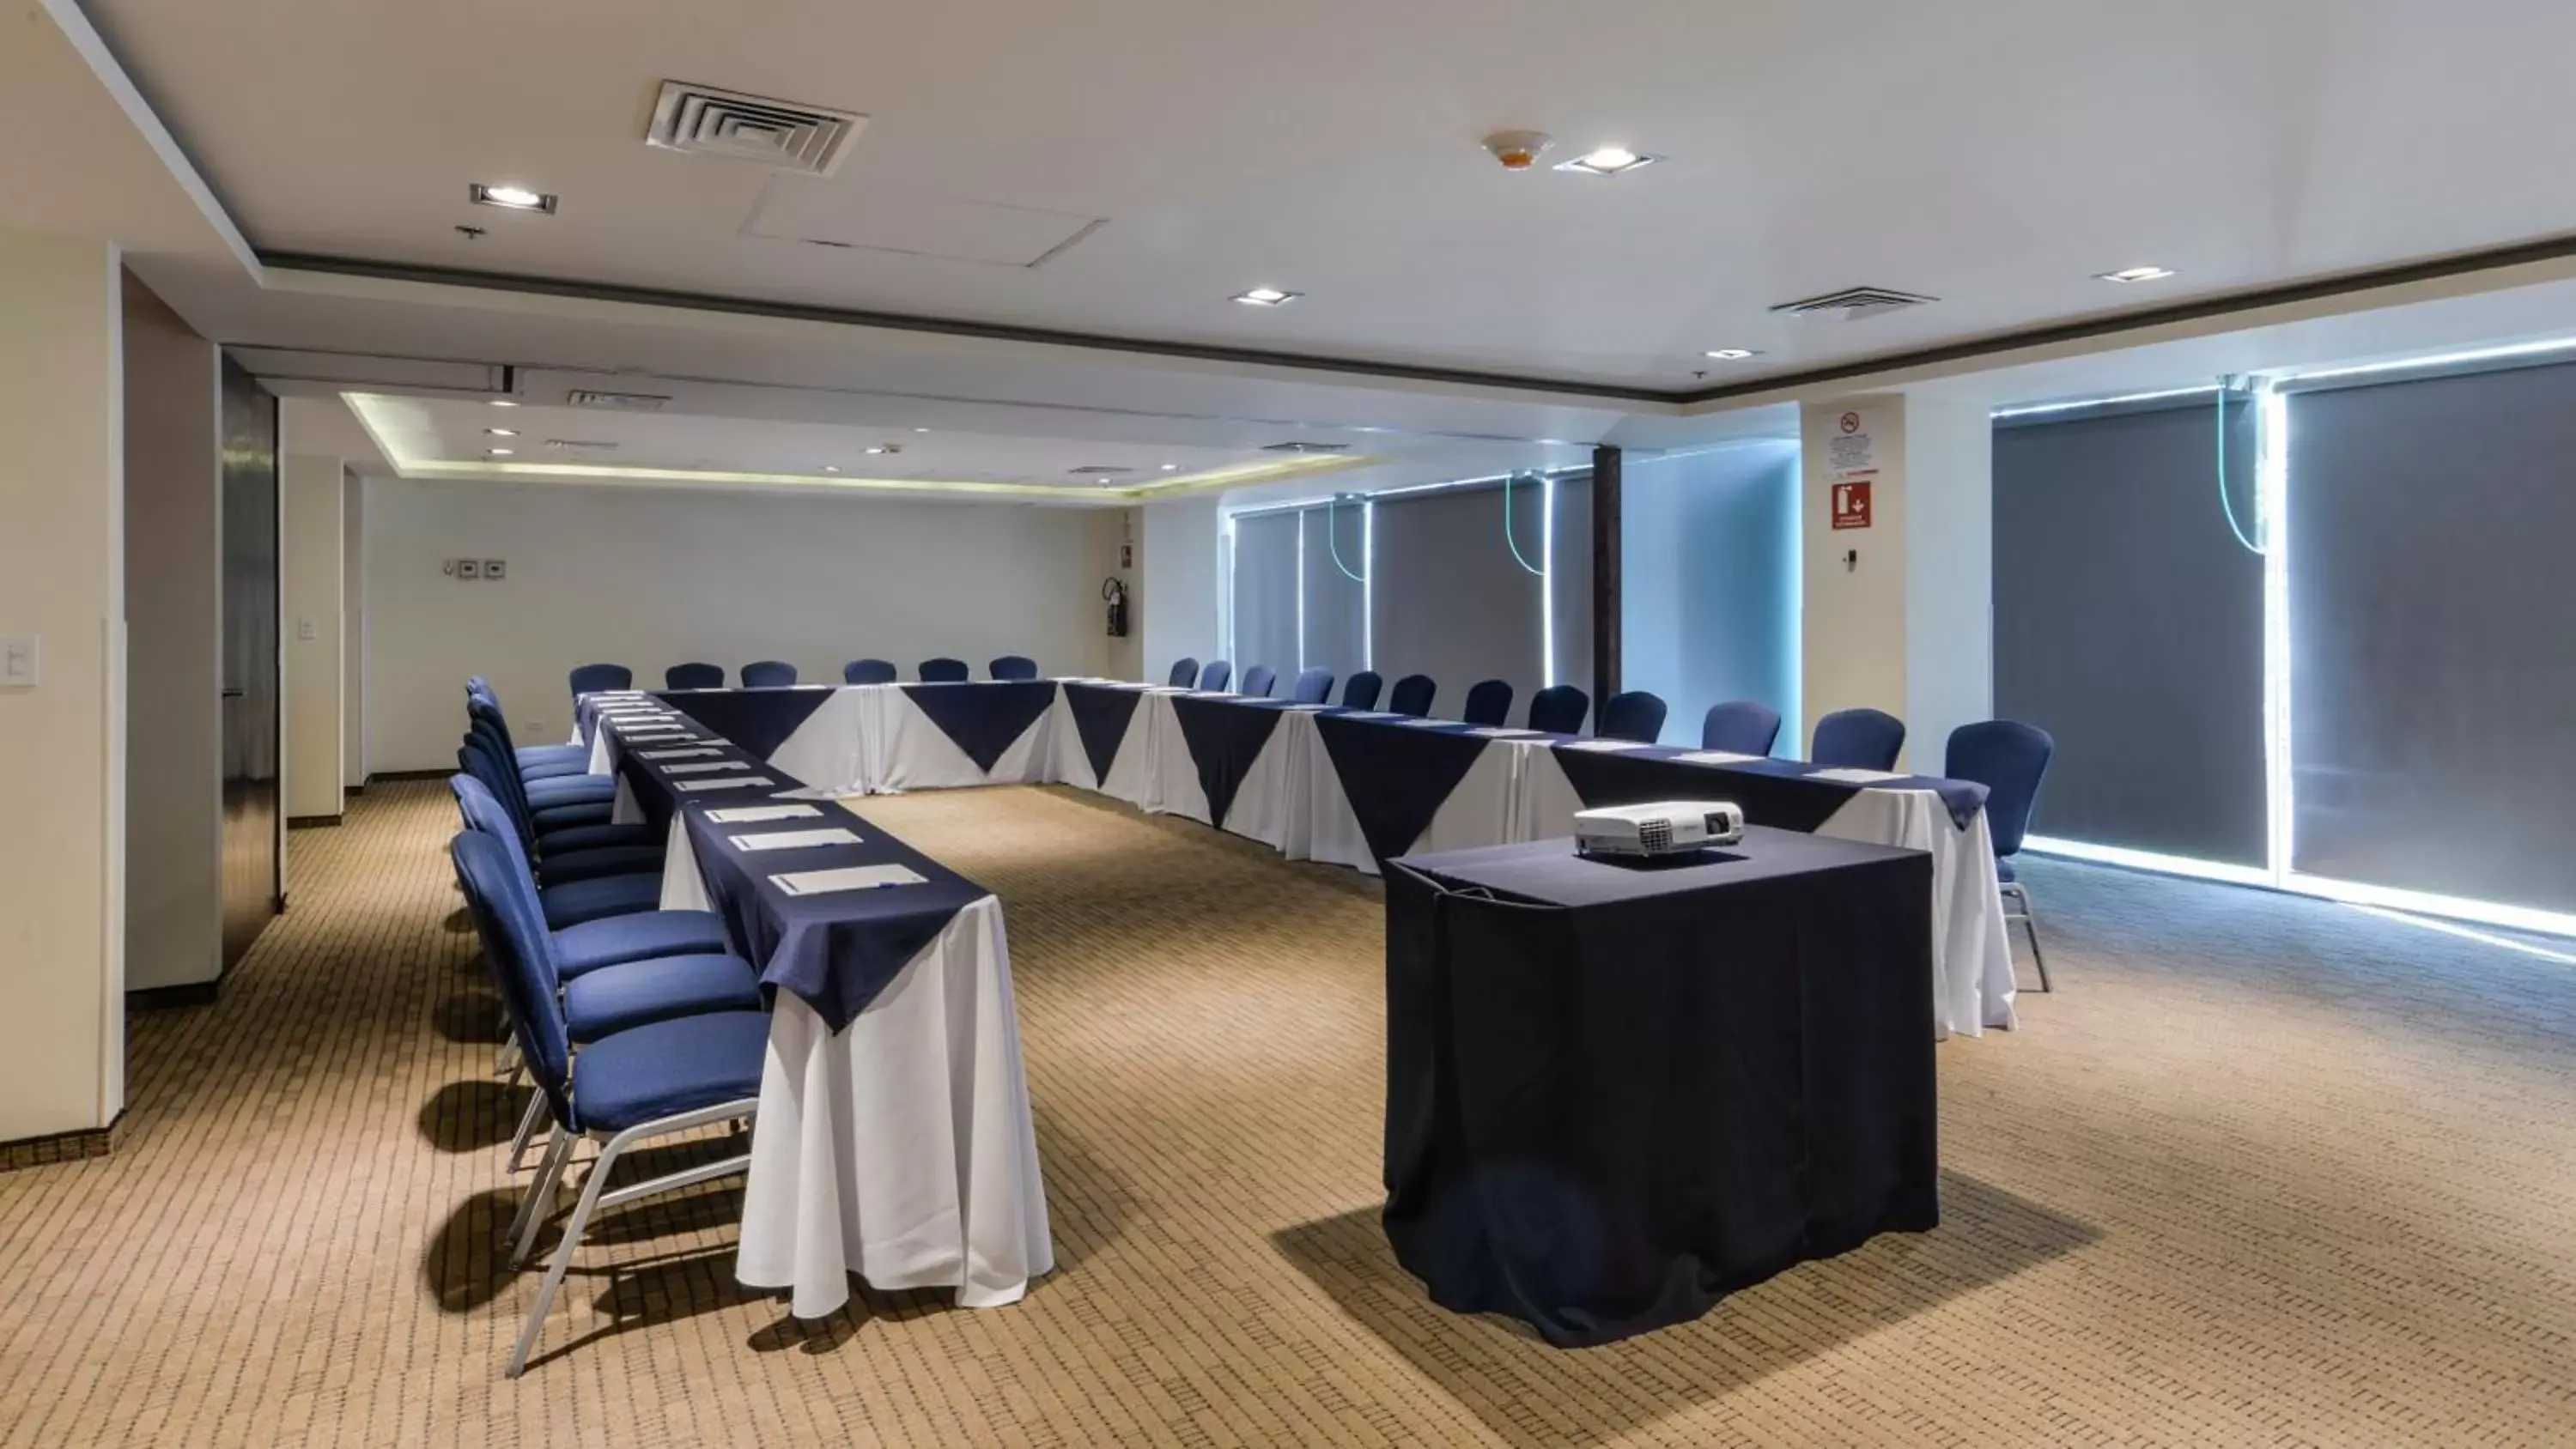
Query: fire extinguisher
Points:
[1116, 593]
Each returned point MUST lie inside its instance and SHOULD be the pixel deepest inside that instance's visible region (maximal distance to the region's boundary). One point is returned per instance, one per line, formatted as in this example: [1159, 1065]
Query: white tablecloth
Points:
[907, 750]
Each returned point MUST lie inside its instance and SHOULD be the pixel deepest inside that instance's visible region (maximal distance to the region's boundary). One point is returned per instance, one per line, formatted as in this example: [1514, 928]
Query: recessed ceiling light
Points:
[1609, 161]
[2135, 274]
[501, 432]
[1267, 297]
[510, 196]
[502, 402]
[500, 452]
[1171, 467]
[921, 430]
[1732, 354]
[876, 450]
[831, 467]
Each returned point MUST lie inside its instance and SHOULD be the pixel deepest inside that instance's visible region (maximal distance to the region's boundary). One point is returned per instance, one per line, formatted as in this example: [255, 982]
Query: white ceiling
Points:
[1994, 153]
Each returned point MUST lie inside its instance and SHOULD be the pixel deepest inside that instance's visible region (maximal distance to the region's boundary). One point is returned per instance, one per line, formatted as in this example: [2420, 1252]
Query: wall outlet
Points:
[18, 663]
[469, 568]
[494, 568]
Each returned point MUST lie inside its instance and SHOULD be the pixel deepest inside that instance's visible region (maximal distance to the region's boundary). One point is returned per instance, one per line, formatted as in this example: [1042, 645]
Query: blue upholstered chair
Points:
[2010, 759]
[1858, 739]
[1259, 680]
[1217, 675]
[1559, 709]
[768, 674]
[1489, 702]
[1635, 715]
[1413, 695]
[944, 670]
[609, 940]
[1013, 666]
[1740, 727]
[1185, 673]
[574, 902]
[595, 678]
[693, 676]
[535, 762]
[635, 1085]
[550, 783]
[1314, 686]
[869, 671]
[1360, 691]
[556, 863]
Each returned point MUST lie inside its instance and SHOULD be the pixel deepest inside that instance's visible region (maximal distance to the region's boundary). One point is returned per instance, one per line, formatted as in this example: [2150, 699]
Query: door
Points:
[253, 876]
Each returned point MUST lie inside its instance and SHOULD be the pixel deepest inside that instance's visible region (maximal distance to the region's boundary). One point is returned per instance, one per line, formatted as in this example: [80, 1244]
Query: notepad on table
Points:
[1496, 732]
[795, 839]
[1371, 714]
[1430, 724]
[806, 792]
[848, 878]
[702, 769]
[678, 754]
[1306, 708]
[1605, 747]
[726, 784]
[1848, 776]
[748, 814]
[1720, 757]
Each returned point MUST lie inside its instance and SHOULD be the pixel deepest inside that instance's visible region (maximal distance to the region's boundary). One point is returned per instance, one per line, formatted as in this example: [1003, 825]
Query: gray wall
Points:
[1450, 600]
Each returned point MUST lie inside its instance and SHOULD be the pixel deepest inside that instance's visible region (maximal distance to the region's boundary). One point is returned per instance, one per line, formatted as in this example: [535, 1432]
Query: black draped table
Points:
[895, 1140]
[1617, 1092]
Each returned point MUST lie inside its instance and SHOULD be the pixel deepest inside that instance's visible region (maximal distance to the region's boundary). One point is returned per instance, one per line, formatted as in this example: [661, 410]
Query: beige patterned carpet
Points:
[2262, 1171]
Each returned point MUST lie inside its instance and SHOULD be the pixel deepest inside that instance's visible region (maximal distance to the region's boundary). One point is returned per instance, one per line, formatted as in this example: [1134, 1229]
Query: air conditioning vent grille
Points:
[782, 135]
[1307, 448]
[578, 445]
[621, 402]
[1854, 303]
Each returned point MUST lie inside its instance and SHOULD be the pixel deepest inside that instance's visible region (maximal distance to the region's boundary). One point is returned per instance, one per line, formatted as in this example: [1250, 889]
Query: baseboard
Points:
[384, 775]
[311, 822]
[354, 791]
[46, 1151]
[164, 998]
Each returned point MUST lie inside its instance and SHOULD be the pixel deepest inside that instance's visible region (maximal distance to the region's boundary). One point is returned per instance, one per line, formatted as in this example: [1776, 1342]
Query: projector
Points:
[1670, 827]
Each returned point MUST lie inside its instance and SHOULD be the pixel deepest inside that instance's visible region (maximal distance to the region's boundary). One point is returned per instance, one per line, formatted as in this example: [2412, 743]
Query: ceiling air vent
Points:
[1100, 470]
[1853, 304]
[617, 402]
[779, 134]
[1307, 448]
[578, 445]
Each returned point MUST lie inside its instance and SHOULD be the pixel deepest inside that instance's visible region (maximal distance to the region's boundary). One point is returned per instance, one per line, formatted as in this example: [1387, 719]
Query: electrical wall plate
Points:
[494, 568]
[18, 663]
[469, 568]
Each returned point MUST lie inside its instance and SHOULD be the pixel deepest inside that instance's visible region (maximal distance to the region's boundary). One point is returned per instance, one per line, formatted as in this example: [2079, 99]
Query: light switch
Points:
[17, 662]
[304, 630]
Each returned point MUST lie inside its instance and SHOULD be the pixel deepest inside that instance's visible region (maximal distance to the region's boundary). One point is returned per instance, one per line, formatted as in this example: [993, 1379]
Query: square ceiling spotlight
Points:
[1267, 297]
[2135, 274]
[1609, 161]
[512, 197]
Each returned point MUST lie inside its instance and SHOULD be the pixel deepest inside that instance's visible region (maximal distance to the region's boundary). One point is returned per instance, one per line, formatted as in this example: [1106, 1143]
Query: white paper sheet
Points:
[1720, 757]
[1605, 747]
[795, 839]
[1429, 724]
[748, 814]
[848, 878]
[1497, 732]
[678, 754]
[706, 769]
[722, 784]
[1855, 777]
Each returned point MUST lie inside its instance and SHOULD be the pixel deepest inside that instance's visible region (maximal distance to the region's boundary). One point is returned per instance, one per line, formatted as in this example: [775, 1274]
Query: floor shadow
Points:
[1510, 1379]
[473, 1115]
[470, 1016]
[1088, 1201]
[462, 1267]
[458, 922]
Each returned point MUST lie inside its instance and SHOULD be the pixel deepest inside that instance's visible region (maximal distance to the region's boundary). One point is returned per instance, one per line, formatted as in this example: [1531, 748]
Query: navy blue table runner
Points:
[1224, 737]
[1101, 714]
[984, 718]
[759, 720]
[1396, 775]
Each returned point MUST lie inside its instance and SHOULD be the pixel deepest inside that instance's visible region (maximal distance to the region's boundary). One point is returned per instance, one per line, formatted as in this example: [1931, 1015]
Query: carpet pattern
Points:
[2261, 1171]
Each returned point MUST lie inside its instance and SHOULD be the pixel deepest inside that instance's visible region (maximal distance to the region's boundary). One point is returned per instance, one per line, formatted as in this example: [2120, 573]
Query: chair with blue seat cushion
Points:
[1740, 727]
[533, 761]
[616, 940]
[945, 671]
[1634, 715]
[543, 790]
[869, 671]
[1314, 686]
[573, 902]
[693, 676]
[1259, 680]
[2010, 759]
[1361, 690]
[1559, 709]
[1858, 739]
[482, 810]
[630, 994]
[478, 756]
[768, 674]
[601, 678]
[1489, 703]
[1185, 673]
[1412, 695]
[1013, 666]
[1216, 676]
[623, 1089]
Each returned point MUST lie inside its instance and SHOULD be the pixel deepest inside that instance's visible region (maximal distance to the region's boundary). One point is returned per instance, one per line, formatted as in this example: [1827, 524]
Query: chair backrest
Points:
[1559, 709]
[869, 671]
[1635, 715]
[2010, 759]
[1741, 727]
[1185, 672]
[518, 950]
[592, 678]
[944, 670]
[1413, 694]
[693, 676]
[475, 758]
[768, 674]
[1314, 686]
[1489, 702]
[1361, 690]
[1259, 680]
[1013, 666]
[1217, 675]
[1858, 739]
[484, 711]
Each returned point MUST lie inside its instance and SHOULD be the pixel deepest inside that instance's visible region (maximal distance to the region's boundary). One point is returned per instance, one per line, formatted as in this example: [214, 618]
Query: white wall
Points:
[1949, 574]
[62, 741]
[174, 617]
[310, 489]
[353, 631]
[1105, 532]
[649, 578]
[1177, 606]
[1853, 627]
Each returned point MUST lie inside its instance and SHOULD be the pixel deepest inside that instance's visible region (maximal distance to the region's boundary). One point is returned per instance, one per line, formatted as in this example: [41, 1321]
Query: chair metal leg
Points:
[573, 1229]
[540, 1196]
[529, 1121]
[2030, 924]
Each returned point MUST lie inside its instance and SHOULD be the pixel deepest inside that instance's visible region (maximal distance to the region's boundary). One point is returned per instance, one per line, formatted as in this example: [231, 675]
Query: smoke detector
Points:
[1518, 150]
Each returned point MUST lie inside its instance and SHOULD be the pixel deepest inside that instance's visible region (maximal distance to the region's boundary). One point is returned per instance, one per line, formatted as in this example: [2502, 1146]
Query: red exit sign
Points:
[1851, 504]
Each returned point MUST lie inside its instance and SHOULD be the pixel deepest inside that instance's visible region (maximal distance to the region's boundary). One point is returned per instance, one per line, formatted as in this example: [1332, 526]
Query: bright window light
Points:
[1301, 589]
[1547, 582]
[2507, 943]
[2469, 358]
[2253, 875]
[2272, 525]
[1368, 583]
[2031, 410]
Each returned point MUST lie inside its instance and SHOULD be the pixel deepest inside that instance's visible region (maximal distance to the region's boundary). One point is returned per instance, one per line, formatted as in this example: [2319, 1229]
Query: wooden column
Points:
[1605, 575]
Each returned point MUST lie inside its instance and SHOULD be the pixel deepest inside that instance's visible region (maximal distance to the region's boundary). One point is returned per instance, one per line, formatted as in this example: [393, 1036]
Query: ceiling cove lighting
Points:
[1609, 161]
[501, 452]
[500, 432]
[2033, 410]
[2468, 358]
[1267, 297]
[502, 402]
[1731, 354]
[510, 196]
[2128, 275]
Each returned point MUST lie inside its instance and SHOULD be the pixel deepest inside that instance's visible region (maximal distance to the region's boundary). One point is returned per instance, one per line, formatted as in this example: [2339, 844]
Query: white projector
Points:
[1669, 827]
